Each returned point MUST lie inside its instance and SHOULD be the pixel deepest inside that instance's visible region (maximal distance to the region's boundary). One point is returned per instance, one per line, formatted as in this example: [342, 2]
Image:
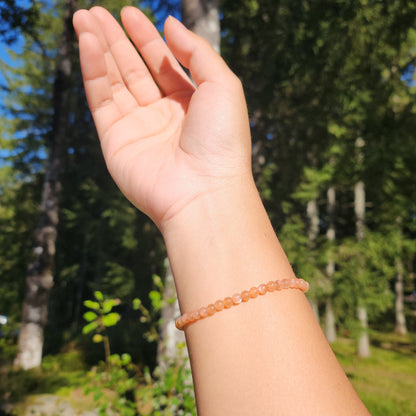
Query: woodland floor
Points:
[385, 382]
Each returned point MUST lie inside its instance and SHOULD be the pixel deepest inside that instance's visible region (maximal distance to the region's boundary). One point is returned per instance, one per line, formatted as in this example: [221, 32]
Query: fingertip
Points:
[77, 19]
[98, 9]
[195, 53]
[179, 39]
[131, 12]
[99, 12]
[127, 9]
[171, 20]
[140, 29]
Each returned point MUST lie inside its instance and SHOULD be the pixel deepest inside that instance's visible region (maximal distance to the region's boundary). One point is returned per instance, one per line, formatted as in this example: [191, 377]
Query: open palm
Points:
[165, 141]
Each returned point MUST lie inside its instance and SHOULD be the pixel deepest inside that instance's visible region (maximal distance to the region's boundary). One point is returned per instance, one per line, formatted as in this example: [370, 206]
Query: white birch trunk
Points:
[170, 337]
[363, 339]
[330, 329]
[400, 327]
[359, 208]
[312, 213]
[203, 18]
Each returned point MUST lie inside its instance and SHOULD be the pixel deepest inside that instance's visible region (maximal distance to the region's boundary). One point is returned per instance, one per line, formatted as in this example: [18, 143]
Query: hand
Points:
[165, 142]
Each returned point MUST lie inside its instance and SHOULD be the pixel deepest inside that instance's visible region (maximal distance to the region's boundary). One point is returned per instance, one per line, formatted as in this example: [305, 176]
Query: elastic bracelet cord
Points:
[189, 318]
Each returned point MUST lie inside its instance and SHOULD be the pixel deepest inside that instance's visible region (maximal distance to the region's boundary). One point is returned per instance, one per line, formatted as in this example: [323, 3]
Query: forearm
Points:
[267, 356]
[165, 141]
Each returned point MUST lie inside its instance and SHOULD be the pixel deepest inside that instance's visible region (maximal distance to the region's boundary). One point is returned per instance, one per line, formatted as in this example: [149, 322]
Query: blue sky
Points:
[163, 9]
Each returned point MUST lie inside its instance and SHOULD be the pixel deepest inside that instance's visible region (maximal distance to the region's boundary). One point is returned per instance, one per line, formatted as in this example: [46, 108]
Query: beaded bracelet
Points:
[191, 317]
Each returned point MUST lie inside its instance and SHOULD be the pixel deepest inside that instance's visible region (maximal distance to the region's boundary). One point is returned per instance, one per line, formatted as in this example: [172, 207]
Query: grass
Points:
[386, 382]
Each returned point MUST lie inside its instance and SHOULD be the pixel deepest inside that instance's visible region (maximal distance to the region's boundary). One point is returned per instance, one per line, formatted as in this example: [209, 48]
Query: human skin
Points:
[181, 153]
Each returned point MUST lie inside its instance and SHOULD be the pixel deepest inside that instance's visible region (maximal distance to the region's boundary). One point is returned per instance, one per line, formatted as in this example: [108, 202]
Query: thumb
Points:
[196, 54]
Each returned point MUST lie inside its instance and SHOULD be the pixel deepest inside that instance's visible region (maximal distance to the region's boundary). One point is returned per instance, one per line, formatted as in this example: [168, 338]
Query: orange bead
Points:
[245, 295]
[304, 286]
[211, 309]
[262, 289]
[237, 299]
[179, 323]
[203, 312]
[228, 302]
[186, 318]
[219, 305]
[254, 292]
[194, 316]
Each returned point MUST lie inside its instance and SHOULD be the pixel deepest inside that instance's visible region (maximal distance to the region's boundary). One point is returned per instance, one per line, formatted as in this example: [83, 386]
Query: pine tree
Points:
[41, 267]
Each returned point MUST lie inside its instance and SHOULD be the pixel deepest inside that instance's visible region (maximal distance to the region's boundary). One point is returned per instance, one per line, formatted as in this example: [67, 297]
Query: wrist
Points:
[210, 207]
[223, 242]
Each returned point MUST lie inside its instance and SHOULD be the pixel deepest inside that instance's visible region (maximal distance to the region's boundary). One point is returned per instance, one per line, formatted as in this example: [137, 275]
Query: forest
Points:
[87, 299]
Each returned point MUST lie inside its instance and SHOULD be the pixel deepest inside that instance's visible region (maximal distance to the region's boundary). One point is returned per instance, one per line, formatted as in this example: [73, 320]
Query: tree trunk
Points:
[363, 340]
[400, 327]
[39, 279]
[170, 337]
[359, 205]
[359, 208]
[203, 18]
[312, 214]
[330, 330]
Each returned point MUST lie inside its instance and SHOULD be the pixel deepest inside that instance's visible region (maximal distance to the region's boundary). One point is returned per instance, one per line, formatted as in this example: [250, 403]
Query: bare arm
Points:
[181, 154]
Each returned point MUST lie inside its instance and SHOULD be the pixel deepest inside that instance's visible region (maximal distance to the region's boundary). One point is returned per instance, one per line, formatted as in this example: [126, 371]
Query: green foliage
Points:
[385, 382]
[308, 263]
[164, 392]
[99, 318]
[171, 392]
[152, 317]
[366, 268]
[113, 386]
[59, 372]
[314, 182]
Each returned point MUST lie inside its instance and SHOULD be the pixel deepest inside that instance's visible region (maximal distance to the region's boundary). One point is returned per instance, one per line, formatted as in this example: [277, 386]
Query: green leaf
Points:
[98, 295]
[97, 338]
[136, 303]
[111, 319]
[156, 299]
[90, 316]
[125, 359]
[89, 327]
[108, 304]
[157, 281]
[92, 305]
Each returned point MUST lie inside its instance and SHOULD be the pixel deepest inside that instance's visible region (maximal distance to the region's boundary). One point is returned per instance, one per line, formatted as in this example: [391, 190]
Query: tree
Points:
[317, 76]
[202, 17]
[40, 269]
[330, 330]
[359, 209]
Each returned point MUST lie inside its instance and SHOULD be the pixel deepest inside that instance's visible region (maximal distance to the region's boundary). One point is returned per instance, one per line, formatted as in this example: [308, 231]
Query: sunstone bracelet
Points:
[189, 318]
